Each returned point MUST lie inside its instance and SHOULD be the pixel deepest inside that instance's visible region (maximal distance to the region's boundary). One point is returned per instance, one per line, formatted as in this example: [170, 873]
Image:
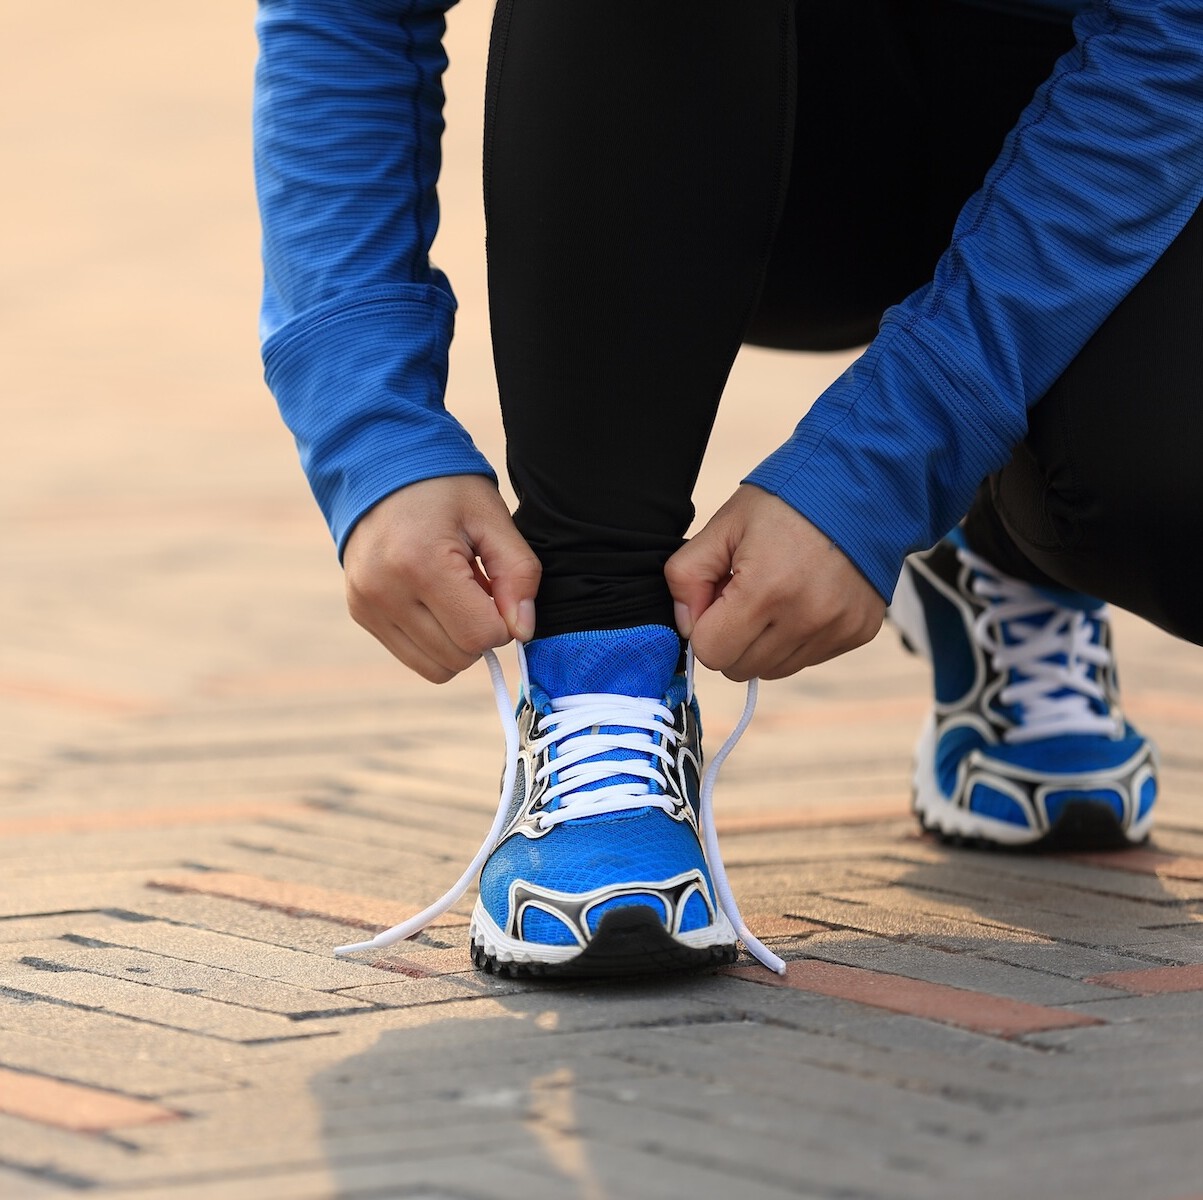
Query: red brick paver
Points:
[1155, 980]
[977, 1011]
[70, 1106]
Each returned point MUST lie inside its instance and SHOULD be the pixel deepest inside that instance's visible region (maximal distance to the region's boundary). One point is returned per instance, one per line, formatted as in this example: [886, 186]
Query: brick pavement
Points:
[208, 779]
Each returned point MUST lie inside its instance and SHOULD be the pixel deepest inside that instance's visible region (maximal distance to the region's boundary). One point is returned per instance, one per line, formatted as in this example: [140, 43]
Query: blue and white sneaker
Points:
[1026, 745]
[600, 867]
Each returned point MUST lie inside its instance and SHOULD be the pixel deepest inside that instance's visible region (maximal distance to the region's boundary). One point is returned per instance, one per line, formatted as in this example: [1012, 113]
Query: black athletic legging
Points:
[667, 180]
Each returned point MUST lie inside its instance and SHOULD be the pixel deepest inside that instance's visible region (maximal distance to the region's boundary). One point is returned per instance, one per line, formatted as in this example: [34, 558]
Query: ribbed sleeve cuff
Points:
[887, 459]
[361, 387]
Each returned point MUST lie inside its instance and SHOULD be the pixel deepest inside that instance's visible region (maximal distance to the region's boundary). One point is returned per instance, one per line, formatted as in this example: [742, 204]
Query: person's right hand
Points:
[413, 580]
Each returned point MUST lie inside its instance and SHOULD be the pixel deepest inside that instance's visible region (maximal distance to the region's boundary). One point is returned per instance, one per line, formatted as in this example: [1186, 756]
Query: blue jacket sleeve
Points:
[355, 323]
[1102, 171]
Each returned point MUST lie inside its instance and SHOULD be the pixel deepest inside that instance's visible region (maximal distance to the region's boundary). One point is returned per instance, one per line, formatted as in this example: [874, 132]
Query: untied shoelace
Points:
[573, 716]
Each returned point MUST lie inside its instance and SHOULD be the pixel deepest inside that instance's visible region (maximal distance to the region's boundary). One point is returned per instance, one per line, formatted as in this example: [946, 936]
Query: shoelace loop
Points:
[602, 711]
[1056, 696]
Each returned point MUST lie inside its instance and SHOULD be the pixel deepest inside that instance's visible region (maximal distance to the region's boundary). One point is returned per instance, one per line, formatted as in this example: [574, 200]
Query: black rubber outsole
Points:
[628, 942]
[1082, 825]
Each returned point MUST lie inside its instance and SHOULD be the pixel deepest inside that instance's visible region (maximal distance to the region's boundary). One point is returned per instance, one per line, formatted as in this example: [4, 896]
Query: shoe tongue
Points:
[629, 662]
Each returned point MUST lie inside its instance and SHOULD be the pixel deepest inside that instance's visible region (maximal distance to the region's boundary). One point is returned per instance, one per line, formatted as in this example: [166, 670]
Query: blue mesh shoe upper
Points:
[1027, 719]
[565, 860]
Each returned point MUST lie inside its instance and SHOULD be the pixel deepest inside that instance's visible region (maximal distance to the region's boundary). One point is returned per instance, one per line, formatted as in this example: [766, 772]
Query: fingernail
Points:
[683, 619]
[524, 622]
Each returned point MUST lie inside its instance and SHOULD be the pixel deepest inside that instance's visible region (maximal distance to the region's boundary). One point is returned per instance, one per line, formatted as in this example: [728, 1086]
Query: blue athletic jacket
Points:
[1103, 169]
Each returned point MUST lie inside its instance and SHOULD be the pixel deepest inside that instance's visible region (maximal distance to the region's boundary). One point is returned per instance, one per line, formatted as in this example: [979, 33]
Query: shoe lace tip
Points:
[353, 948]
[760, 952]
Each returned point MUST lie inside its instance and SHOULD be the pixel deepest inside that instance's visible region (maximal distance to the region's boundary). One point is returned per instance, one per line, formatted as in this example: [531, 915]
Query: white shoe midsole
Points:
[942, 814]
[485, 933]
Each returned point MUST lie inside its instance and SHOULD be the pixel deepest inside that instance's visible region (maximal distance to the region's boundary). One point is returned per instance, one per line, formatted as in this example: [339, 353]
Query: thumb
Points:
[513, 572]
[696, 576]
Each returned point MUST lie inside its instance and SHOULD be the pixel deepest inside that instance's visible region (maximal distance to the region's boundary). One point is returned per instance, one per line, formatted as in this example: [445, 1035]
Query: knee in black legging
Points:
[1122, 519]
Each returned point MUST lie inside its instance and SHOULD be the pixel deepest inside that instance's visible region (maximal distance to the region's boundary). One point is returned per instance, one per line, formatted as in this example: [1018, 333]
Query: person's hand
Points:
[761, 592]
[413, 580]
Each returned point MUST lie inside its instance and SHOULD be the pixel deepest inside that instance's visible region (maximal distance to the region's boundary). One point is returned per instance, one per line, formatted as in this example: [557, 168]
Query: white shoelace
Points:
[1055, 696]
[572, 716]
[578, 766]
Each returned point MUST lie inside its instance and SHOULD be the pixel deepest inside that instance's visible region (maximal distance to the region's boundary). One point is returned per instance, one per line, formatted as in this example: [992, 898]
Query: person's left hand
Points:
[761, 592]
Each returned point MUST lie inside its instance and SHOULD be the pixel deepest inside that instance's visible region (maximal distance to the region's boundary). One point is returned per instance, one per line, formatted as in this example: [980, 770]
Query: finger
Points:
[441, 609]
[402, 647]
[442, 643]
[696, 575]
[454, 613]
[482, 580]
[728, 629]
[781, 652]
[763, 660]
[514, 574]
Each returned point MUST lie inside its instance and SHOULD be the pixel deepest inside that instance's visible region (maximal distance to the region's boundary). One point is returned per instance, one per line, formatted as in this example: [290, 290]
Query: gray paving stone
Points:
[137, 1002]
[983, 891]
[954, 970]
[895, 1031]
[136, 1041]
[454, 1177]
[1173, 947]
[755, 857]
[1176, 1103]
[246, 955]
[1124, 1007]
[870, 912]
[1060, 958]
[42, 895]
[58, 854]
[1139, 1059]
[809, 856]
[147, 969]
[97, 1066]
[1166, 1029]
[52, 1156]
[422, 820]
[404, 993]
[29, 929]
[1093, 880]
[1162, 1161]
[1177, 837]
[645, 1173]
[736, 1089]
[255, 849]
[17, 1185]
[270, 1127]
[822, 1151]
[313, 935]
[439, 951]
[973, 1074]
[405, 893]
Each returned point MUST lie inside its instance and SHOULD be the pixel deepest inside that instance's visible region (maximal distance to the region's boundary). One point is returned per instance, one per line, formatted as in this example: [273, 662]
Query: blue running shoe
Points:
[600, 867]
[1026, 745]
